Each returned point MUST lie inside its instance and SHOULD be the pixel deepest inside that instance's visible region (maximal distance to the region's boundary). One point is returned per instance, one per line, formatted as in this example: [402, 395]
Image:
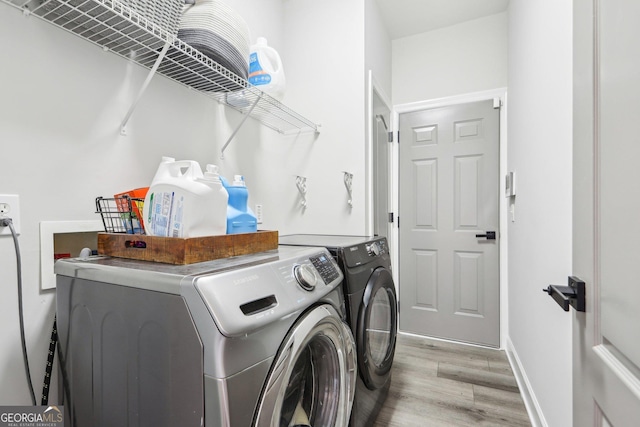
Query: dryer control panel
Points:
[365, 252]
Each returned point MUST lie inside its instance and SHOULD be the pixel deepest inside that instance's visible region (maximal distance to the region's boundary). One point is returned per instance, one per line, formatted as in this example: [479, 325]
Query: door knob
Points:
[572, 295]
[490, 235]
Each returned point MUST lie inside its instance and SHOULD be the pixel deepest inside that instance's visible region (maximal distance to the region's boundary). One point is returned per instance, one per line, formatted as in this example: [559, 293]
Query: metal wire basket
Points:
[121, 214]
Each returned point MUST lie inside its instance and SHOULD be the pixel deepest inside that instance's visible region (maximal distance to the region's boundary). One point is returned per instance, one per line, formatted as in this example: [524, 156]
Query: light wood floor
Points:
[437, 383]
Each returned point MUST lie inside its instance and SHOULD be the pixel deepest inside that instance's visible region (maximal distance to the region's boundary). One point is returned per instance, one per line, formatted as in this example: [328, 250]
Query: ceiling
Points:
[408, 17]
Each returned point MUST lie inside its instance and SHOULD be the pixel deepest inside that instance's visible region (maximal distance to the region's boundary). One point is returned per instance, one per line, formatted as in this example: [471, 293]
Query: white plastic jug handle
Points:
[188, 169]
[275, 59]
[278, 63]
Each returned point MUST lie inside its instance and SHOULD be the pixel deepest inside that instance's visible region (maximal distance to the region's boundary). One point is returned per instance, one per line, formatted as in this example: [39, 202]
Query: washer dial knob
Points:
[373, 249]
[305, 276]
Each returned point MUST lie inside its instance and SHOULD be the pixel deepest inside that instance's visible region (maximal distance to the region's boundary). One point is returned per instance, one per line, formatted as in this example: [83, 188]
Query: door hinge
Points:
[497, 103]
[398, 138]
[398, 218]
[390, 216]
[390, 136]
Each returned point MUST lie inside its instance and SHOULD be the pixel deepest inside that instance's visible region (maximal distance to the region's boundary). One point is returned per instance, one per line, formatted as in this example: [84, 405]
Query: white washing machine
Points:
[256, 340]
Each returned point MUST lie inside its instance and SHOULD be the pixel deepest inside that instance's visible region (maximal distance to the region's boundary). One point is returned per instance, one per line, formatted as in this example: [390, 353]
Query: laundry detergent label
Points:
[257, 76]
[177, 219]
[160, 213]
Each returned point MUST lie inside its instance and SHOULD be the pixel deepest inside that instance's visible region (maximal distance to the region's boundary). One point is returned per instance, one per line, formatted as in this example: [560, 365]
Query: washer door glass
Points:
[378, 334]
[377, 329]
[312, 381]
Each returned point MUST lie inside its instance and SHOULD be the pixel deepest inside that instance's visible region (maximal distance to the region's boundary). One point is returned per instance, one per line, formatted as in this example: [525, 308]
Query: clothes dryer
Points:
[256, 340]
[372, 312]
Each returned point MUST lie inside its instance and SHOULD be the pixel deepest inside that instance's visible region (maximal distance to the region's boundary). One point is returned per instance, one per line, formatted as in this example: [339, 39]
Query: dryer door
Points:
[312, 380]
[377, 329]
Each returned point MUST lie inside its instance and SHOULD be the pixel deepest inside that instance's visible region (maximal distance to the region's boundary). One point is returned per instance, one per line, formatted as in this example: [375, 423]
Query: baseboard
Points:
[530, 402]
[470, 344]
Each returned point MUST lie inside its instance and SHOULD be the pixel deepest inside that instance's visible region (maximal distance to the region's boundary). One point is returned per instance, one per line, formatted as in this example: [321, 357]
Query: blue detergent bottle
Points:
[240, 218]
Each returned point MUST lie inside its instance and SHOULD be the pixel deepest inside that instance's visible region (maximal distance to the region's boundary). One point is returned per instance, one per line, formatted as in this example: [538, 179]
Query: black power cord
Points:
[49, 368]
[7, 222]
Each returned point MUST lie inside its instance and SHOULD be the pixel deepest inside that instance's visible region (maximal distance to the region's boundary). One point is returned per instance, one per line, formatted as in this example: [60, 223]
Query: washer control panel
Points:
[325, 266]
[265, 290]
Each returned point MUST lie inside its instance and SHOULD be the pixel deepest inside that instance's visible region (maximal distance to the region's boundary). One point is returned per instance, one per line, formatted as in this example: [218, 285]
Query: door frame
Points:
[500, 93]
[374, 87]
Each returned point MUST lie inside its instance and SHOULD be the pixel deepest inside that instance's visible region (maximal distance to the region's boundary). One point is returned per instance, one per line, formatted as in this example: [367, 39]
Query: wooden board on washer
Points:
[174, 250]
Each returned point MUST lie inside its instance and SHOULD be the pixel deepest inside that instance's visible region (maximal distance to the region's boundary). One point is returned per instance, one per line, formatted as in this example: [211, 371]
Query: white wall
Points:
[62, 102]
[459, 59]
[324, 52]
[540, 140]
[311, 39]
[377, 47]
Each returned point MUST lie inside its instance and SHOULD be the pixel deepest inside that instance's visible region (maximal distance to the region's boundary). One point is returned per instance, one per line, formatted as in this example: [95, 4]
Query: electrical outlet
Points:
[258, 214]
[10, 208]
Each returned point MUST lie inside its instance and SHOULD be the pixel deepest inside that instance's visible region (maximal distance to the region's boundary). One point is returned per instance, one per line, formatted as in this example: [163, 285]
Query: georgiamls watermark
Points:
[31, 416]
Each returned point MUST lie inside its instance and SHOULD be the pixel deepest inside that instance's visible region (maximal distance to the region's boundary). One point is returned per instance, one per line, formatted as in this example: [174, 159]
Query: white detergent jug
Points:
[184, 202]
[265, 69]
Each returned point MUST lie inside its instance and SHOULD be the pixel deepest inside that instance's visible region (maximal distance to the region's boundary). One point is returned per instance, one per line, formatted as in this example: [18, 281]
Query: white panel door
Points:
[606, 212]
[449, 186]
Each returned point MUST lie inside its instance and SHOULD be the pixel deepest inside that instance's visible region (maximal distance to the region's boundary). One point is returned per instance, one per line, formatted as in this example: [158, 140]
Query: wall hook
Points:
[301, 183]
[348, 183]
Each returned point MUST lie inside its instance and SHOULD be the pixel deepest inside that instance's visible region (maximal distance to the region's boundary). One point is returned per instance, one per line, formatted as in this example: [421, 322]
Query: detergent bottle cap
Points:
[211, 173]
[238, 181]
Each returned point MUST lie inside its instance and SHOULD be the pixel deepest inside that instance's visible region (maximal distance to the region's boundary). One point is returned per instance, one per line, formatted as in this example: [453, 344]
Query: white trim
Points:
[368, 155]
[468, 344]
[450, 100]
[534, 410]
[378, 88]
[503, 213]
[621, 372]
[373, 87]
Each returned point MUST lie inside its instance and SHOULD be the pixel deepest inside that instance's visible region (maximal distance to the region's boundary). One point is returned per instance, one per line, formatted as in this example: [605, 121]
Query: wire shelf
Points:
[121, 214]
[116, 27]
